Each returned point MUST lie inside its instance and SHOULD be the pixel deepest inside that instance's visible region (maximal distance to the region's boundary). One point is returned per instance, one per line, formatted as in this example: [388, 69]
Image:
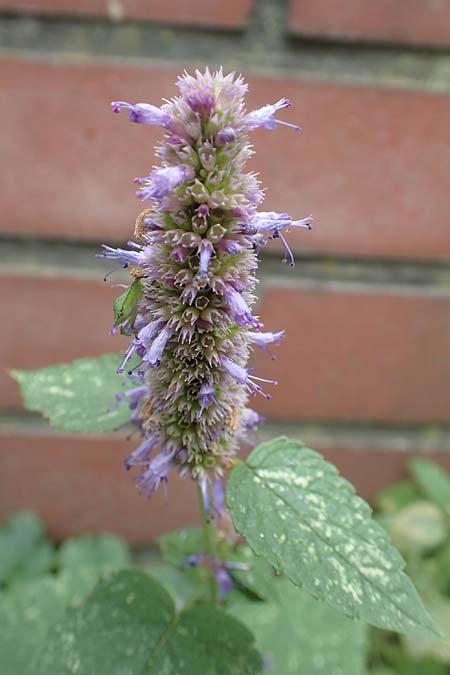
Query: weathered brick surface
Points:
[51, 321]
[404, 21]
[213, 13]
[347, 355]
[77, 484]
[372, 165]
[357, 356]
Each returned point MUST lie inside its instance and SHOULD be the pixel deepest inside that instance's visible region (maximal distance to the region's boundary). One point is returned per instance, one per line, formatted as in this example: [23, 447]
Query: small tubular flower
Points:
[265, 116]
[244, 376]
[261, 340]
[269, 225]
[196, 259]
[156, 472]
[142, 113]
[239, 308]
[159, 183]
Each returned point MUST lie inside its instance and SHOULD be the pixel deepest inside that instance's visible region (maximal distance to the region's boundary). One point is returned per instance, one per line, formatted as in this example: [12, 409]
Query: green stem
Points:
[209, 536]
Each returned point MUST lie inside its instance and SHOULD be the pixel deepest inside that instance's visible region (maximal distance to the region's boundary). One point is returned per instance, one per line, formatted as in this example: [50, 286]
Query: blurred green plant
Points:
[50, 592]
[416, 514]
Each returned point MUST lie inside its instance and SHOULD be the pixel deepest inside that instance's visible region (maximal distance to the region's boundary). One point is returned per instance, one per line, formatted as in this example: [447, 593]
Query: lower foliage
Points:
[88, 606]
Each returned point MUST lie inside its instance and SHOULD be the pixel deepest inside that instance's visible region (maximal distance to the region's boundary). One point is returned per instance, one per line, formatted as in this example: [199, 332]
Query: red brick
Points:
[357, 356]
[415, 21]
[347, 355]
[53, 320]
[77, 484]
[230, 14]
[371, 164]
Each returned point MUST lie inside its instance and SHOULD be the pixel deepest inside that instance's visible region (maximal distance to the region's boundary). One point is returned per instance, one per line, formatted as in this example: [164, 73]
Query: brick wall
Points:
[364, 370]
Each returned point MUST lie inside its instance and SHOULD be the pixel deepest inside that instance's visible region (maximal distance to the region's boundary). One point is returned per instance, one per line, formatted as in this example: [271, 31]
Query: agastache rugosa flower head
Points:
[195, 260]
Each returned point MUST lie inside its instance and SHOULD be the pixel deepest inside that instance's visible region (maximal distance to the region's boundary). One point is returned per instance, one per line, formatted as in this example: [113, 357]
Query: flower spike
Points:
[195, 257]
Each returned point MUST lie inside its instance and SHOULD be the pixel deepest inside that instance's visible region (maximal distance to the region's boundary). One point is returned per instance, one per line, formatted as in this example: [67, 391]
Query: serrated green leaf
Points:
[296, 511]
[126, 305]
[206, 640]
[77, 396]
[24, 552]
[105, 552]
[300, 636]
[397, 496]
[433, 481]
[129, 625]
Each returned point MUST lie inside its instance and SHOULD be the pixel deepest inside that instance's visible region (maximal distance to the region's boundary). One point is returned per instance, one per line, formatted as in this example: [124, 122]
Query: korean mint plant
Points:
[185, 385]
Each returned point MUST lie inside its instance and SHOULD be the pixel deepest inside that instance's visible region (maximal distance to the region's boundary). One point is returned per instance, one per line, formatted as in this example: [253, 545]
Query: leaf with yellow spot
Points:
[296, 511]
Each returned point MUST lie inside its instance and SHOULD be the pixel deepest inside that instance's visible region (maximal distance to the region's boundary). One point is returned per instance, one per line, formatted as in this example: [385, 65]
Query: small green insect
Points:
[126, 306]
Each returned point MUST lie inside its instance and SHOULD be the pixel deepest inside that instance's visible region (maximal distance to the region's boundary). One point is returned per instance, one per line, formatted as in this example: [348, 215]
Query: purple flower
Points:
[239, 309]
[159, 183]
[218, 496]
[205, 251]
[154, 354]
[201, 101]
[269, 225]
[230, 246]
[244, 376]
[193, 560]
[142, 113]
[220, 570]
[250, 420]
[225, 136]
[156, 473]
[206, 396]
[133, 396]
[224, 580]
[142, 453]
[141, 342]
[270, 221]
[264, 117]
[204, 488]
[261, 340]
[125, 257]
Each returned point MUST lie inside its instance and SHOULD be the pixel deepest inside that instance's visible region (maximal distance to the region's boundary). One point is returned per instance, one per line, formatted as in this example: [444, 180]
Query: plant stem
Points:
[209, 536]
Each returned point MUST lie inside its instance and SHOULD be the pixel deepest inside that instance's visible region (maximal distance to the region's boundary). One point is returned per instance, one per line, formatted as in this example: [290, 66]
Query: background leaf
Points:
[129, 625]
[77, 396]
[259, 575]
[103, 552]
[419, 646]
[418, 528]
[30, 608]
[397, 496]
[186, 586]
[179, 545]
[299, 636]
[24, 550]
[433, 481]
[296, 511]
